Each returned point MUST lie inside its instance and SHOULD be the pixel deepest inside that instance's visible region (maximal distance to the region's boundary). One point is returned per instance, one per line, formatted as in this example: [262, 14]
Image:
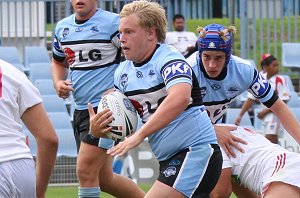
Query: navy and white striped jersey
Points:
[238, 77]
[146, 85]
[92, 50]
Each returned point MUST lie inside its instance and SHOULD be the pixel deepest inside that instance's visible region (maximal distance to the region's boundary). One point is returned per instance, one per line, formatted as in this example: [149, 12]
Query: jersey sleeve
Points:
[28, 95]
[261, 89]
[115, 38]
[57, 51]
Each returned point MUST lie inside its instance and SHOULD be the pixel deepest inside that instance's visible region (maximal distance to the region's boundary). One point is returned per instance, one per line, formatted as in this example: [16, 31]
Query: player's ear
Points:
[151, 33]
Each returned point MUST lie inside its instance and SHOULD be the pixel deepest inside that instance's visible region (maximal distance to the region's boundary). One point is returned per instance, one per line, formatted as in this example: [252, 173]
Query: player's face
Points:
[213, 62]
[136, 42]
[84, 9]
[273, 68]
[178, 25]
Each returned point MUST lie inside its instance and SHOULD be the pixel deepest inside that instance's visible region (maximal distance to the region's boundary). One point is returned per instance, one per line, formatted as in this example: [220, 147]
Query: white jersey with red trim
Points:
[262, 162]
[17, 94]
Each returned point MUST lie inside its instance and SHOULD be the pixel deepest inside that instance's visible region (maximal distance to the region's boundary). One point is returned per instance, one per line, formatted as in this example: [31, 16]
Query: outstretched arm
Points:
[246, 106]
[287, 119]
[36, 120]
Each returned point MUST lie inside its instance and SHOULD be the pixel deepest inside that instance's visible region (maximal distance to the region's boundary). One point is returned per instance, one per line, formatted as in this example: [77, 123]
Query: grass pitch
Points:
[71, 192]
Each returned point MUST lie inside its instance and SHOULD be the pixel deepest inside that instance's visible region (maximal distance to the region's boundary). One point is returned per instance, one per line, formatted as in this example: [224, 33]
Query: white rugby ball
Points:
[125, 118]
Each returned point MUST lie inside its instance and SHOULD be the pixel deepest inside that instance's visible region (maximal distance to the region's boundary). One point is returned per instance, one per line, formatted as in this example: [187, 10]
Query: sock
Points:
[93, 192]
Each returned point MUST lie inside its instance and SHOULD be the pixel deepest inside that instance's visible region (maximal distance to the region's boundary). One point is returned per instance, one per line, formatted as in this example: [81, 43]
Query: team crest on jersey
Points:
[216, 87]
[66, 31]
[139, 74]
[171, 170]
[176, 69]
[123, 79]
[202, 91]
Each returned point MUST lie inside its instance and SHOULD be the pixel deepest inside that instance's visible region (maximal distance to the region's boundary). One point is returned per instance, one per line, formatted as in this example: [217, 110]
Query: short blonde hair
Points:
[150, 15]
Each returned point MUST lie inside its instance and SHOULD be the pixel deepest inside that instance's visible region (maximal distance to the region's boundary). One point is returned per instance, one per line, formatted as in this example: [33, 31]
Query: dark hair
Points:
[177, 16]
[267, 61]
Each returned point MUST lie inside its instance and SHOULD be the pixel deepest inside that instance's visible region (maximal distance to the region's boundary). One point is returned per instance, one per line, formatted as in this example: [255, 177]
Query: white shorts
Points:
[18, 179]
[285, 169]
[272, 125]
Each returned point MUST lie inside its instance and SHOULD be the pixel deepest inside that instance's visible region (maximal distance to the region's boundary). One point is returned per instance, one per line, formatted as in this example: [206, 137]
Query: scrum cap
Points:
[215, 37]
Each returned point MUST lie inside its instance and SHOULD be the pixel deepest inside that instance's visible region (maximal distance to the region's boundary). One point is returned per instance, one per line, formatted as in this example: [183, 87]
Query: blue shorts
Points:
[194, 171]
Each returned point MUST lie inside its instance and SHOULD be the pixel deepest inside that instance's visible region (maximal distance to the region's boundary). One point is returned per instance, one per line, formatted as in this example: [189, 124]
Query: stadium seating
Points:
[232, 114]
[294, 100]
[60, 120]
[35, 55]
[53, 103]
[45, 86]
[39, 71]
[67, 145]
[12, 56]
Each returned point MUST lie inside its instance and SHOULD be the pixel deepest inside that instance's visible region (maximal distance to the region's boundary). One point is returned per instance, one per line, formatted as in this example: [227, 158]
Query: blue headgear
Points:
[215, 37]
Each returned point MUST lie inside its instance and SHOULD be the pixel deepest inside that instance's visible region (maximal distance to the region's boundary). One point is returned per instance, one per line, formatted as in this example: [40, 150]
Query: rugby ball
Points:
[125, 118]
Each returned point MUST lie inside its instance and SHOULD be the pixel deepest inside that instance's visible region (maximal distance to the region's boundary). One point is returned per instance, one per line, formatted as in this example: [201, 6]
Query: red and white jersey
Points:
[16, 95]
[280, 86]
[262, 162]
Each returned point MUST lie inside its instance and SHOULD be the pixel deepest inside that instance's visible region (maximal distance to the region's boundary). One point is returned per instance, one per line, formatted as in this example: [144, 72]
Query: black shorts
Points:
[81, 125]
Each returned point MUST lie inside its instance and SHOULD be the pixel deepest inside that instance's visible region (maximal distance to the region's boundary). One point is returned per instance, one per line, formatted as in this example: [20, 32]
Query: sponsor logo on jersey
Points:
[216, 87]
[233, 89]
[175, 70]
[123, 79]
[94, 29]
[78, 29]
[66, 31]
[259, 86]
[139, 74]
[128, 105]
[174, 162]
[70, 54]
[151, 73]
[171, 170]
[56, 43]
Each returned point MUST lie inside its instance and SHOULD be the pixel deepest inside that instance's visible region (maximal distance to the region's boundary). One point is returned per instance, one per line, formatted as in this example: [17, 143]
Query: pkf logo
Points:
[176, 69]
[260, 86]
[70, 54]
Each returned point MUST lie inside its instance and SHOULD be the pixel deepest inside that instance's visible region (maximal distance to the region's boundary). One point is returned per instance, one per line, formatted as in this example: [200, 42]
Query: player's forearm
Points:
[287, 119]
[45, 161]
[58, 71]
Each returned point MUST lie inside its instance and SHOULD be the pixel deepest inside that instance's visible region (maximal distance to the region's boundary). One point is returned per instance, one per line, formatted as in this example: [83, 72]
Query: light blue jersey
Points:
[238, 77]
[92, 52]
[146, 85]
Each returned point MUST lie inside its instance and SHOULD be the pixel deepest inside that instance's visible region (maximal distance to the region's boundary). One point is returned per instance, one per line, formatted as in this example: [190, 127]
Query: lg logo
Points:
[93, 55]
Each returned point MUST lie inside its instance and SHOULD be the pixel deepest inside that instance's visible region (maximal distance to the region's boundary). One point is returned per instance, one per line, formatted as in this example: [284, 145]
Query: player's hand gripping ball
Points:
[124, 115]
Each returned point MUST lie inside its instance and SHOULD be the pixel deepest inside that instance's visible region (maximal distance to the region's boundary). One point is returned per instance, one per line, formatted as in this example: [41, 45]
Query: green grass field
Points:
[71, 192]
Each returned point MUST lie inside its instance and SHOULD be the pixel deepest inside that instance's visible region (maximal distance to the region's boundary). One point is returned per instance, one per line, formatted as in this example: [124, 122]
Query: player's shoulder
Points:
[107, 13]
[192, 60]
